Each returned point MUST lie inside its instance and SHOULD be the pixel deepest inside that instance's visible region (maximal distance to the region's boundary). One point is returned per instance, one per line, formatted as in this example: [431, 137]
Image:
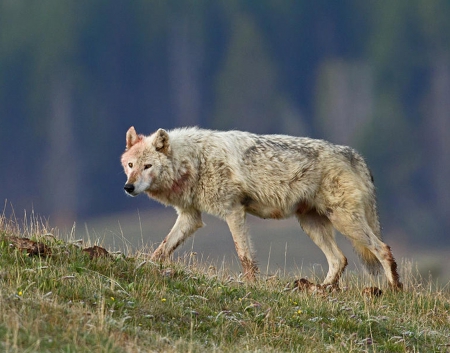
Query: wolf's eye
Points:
[130, 165]
[147, 166]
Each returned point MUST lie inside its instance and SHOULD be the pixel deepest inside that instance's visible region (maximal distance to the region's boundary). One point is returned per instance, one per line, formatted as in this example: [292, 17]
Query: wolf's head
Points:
[144, 160]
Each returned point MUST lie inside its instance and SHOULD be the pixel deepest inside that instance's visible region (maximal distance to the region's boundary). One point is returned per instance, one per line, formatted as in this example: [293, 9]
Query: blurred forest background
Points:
[74, 75]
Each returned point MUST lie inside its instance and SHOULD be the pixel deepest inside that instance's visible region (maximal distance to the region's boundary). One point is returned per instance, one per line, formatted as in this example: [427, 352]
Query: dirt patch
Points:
[33, 248]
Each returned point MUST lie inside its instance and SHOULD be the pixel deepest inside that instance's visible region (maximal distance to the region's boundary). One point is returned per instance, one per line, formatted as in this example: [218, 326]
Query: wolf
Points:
[231, 173]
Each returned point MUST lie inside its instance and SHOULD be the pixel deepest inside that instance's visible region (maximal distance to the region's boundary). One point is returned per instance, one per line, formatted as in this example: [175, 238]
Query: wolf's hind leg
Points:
[187, 223]
[236, 222]
[320, 230]
[355, 226]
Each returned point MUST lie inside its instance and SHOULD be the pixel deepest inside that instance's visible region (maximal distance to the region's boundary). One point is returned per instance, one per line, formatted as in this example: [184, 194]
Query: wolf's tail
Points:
[369, 260]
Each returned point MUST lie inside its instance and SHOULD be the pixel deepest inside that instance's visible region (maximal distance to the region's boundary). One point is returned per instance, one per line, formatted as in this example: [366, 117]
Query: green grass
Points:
[67, 302]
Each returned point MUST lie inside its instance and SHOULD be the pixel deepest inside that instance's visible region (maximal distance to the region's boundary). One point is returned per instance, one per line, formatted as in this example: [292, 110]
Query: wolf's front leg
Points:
[187, 223]
[236, 222]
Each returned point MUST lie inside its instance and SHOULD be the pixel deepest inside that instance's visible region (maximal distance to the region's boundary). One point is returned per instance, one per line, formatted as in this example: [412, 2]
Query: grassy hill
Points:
[61, 299]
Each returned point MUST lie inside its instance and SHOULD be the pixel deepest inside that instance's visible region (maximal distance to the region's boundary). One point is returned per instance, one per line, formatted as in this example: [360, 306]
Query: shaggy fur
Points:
[229, 174]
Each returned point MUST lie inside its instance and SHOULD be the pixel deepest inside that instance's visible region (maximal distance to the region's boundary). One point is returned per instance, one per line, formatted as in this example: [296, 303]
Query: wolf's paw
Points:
[158, 256]
[303, 285]
[250, 269]
[372, 292]
[397, 287]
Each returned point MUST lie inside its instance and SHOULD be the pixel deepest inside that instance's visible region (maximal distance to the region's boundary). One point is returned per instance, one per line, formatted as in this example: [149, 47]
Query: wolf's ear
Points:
[161, 141]
[131, 137]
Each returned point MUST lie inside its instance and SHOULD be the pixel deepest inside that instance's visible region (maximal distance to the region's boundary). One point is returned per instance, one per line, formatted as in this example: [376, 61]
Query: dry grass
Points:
[68, 302]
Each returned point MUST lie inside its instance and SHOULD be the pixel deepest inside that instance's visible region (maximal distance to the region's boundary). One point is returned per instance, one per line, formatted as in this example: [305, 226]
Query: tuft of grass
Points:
[68, 302]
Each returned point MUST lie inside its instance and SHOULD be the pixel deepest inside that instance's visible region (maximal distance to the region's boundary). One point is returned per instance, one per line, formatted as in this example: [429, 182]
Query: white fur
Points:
[229, 174]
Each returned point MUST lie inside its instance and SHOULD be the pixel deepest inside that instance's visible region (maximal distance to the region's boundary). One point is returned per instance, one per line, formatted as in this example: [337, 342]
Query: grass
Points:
[68, 302]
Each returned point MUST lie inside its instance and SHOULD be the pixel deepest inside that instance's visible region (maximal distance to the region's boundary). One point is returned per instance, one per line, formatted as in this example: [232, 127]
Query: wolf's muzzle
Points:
[129, 188]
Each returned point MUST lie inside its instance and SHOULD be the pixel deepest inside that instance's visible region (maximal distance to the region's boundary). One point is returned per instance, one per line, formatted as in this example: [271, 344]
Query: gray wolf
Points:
[229, 174]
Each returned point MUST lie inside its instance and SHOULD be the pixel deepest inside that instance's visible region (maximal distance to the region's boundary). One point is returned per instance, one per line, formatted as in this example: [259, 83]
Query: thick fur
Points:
[229, 174]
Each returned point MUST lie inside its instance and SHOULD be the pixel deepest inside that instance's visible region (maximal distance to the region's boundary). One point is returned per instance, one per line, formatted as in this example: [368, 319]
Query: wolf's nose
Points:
[129, 188]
